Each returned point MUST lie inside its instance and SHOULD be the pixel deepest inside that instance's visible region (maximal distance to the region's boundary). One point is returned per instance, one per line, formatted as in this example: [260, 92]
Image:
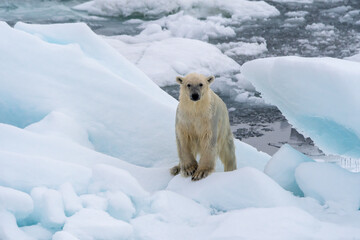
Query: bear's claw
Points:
[189, 169]
[200, 174]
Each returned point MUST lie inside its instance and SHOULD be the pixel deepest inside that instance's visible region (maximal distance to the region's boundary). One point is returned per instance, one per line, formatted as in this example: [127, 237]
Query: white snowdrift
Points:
[111, 99]
[95, 224]
[18, 203]
[240, 9]
[355, 58]
[187, 26]
[330, 184]
[9, 229]
[243, 188]
[319, 96]
[165, 59]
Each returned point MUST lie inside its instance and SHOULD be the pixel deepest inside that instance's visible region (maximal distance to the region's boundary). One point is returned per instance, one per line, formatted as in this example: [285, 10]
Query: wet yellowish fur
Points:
[202, 127]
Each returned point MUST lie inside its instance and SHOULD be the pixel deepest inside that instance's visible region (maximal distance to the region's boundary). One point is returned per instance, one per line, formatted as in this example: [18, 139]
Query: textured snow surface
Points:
[329, 183]
[79, 123]
[319, 96]
[240, 9]
[165, 59]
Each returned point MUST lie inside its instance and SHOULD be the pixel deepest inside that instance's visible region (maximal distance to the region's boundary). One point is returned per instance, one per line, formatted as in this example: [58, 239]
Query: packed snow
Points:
[232, 49]
[88, 140]
[241, 9]
[187, 26]
[328, 183]
[165, 59]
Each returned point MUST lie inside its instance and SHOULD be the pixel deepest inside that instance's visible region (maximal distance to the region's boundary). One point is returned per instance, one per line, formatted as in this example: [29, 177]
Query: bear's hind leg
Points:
[227, 155]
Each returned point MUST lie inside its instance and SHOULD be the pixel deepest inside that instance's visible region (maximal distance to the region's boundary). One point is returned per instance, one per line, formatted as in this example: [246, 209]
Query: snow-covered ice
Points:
[18, 203]
[281, 167]
[38, 232]
[48, 207]
[187, 26]
[330, 183]
[97, 224]
[165, 59]
[9, 228]
[88, 140]
[120, 205]
[232, 49]
[72, 202]
[241, 9]
[318, 96]
[50, 90]
[242, 188]
[355, 58]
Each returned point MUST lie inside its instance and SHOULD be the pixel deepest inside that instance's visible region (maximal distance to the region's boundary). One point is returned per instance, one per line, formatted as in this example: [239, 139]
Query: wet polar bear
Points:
[202, 127]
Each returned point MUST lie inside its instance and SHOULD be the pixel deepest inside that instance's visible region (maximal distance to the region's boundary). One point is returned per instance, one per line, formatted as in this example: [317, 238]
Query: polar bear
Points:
[202, 127]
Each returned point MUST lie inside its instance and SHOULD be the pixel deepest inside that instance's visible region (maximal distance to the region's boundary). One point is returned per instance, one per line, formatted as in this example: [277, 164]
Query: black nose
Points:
[195, 97]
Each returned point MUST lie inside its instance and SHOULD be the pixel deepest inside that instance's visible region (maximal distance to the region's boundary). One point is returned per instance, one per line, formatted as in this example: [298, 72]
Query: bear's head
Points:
[194, 85]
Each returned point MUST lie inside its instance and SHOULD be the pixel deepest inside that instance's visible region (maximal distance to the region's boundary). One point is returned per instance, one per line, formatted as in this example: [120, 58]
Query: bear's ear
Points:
[179, 80]
[210, 79]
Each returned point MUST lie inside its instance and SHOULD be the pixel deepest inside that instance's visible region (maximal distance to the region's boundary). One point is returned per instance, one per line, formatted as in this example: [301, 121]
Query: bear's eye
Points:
[200, 84]
[189, 85]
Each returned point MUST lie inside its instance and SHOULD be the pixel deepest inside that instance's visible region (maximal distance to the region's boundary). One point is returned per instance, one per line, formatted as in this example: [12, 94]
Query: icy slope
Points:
[73, 71]
[319, 96]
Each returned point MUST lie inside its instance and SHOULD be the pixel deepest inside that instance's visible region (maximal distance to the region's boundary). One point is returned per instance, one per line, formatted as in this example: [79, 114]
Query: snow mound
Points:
[242, 188]
[329, 183]
[96, 224]
[263, 223]
[9, 229]
[18, 203]
[61, 235]
[281, 167]
[233, 49]
[187, 26]
[318, 96]
[106, 177]
[29, 159]
[61, 125]
[240, 9]
[176, 208]
[72, 202]
[354, 58]
[49, 207]
[120, 113]
[163, 57]
[38, 232]
[120, 205]
[168, 58]
[25, 172]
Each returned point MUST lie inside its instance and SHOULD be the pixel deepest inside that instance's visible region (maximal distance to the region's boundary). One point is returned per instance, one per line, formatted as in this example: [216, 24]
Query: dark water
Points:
[309, 30]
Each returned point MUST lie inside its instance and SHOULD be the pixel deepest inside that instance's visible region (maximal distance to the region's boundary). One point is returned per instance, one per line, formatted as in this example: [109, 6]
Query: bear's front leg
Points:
[207, 161]
[187, 165]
